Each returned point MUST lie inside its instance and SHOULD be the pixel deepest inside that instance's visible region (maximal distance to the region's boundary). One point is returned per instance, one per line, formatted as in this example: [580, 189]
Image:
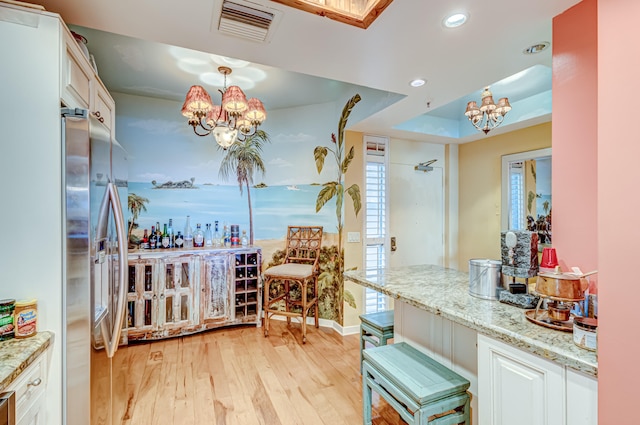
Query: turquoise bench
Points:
[419, 388]
[375, 328]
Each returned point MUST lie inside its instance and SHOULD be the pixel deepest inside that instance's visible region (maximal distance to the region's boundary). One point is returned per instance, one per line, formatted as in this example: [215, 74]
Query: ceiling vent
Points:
[247, 20]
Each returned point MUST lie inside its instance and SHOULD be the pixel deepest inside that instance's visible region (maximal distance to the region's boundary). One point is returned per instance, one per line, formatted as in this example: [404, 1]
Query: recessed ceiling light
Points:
[418, 82]
[455, 20]
[536, 48]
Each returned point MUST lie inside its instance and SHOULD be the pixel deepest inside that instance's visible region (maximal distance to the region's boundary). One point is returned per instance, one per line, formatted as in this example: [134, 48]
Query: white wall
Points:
[30, 169]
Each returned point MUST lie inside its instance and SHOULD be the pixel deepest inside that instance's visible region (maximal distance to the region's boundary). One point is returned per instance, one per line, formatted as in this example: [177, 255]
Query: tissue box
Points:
[525, 255]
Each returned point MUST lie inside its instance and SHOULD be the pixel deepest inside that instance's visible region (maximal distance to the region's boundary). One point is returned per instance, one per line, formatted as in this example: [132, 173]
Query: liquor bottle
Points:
[198, 237]
[179, 242]
[216, 235]
[172, 236]
[165, 237]
[244, 240]
[208, 237]
[153, 238]
[227, 237]
[188, 234]
[144, 242]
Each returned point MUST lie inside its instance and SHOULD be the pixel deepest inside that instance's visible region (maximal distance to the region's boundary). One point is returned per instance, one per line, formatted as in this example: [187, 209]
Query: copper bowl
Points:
[559, 285]
[557, 311]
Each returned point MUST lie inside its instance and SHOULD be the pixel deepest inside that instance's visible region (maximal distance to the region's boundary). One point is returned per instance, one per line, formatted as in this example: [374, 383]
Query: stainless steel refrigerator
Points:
[95, 180]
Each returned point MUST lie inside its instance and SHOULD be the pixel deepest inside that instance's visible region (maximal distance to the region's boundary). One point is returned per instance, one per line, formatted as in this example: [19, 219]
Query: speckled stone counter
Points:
[17, 354]
[444, 292]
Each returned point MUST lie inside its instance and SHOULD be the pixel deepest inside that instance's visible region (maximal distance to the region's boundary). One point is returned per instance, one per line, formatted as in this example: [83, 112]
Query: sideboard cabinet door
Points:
[215, 305]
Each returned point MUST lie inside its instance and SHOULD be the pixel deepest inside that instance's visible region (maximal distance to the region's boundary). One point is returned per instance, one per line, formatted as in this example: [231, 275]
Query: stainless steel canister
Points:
[485, 278]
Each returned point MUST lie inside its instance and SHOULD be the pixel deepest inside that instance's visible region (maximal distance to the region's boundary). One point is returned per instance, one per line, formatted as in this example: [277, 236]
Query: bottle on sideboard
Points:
[144, 242]
[216, 235]
[165, 237]
[153, 238]
[208, 237]
[158, 235]
[179, 241]
[226, 237]
[172, 236]
[244, 240]
[188, 234]
[198, 237]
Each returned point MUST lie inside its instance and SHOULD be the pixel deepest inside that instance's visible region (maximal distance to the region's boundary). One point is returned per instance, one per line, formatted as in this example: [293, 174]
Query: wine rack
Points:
[248, 297]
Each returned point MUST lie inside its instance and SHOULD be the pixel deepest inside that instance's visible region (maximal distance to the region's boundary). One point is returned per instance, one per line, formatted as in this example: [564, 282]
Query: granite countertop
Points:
[17, 354]
[445, 292]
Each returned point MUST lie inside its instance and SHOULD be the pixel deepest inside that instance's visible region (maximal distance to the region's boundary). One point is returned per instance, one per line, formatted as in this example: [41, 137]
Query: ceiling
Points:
[159, 48]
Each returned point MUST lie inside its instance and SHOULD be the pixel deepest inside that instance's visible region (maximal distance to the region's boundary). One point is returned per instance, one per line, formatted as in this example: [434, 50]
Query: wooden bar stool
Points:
[375, 328]
[299, 271]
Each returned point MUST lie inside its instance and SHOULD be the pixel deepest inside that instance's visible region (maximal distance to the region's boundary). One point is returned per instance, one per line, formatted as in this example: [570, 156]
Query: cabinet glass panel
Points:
[252, 259]
[241, 259]
[148, 278]
[168, 309]
[131, 314]
[184, 307]
[169, 284]
[147, 312]
[252, 309]
[185, 281]
[132, 279]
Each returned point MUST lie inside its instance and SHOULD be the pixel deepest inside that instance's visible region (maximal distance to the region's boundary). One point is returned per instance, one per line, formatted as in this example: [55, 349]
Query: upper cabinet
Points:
[80, 85]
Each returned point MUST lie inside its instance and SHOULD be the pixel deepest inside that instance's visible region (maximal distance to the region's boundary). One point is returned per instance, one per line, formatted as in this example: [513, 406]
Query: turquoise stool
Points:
[375, 328]
[419, 388]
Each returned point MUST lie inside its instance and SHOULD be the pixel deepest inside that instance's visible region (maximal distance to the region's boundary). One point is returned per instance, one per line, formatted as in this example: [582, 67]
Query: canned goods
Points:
[25, 318]
[6, 319]
[235, 235]
[585, 332]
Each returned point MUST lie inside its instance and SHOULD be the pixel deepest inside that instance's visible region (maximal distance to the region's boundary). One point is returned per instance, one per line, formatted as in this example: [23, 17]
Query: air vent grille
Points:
[244, 21]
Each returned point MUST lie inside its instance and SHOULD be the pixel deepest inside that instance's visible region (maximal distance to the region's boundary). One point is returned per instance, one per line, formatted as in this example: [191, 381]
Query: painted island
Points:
[520, 372]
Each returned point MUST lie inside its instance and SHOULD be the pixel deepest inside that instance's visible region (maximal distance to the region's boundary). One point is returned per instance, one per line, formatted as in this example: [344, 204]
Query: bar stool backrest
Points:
[303, 245]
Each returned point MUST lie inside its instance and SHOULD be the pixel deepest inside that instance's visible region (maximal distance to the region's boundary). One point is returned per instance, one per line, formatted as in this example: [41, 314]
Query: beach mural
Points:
[174, 174]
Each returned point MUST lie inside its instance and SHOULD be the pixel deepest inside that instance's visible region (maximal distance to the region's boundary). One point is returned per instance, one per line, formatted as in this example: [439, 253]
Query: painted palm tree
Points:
[335, 189]
[244, 158]
[135, 204]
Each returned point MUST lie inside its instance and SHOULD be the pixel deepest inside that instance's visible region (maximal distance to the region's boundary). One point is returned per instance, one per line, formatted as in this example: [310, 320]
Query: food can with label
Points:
[6, 319]
[25, 318]
[585, 332]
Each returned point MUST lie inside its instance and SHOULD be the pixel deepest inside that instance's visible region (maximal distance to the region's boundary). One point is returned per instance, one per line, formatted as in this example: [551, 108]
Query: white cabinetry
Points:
[30, 393]
[518, 387]
[76, 74]
[81, 87]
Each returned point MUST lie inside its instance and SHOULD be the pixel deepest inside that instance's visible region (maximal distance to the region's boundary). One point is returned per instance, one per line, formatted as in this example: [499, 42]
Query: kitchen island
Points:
[492, 344]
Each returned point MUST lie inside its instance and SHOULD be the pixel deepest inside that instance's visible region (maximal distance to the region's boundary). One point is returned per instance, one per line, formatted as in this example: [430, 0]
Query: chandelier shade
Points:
[489, 115]
[235, 118]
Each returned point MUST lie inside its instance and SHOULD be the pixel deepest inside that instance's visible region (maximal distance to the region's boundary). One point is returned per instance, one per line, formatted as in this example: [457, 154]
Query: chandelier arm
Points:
[207, 132]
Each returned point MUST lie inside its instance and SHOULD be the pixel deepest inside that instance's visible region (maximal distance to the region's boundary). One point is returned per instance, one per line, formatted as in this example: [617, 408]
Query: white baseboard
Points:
[326, 323]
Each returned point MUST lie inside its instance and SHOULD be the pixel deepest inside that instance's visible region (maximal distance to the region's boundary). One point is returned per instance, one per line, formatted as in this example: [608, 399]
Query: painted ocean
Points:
[274, 207]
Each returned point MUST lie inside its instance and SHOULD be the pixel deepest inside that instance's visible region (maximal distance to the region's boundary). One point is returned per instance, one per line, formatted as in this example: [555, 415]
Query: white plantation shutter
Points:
[517, 219]
[375, 216]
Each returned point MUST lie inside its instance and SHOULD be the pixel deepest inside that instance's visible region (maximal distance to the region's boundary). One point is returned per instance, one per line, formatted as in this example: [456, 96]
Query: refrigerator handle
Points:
[112, 198]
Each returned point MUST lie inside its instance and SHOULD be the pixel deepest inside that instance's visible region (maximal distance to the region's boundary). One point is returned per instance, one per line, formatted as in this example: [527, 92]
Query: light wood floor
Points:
[236, 376]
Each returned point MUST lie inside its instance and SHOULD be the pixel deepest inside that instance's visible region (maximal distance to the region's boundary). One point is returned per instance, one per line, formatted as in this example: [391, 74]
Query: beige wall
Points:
[479, 200]
[353, 251]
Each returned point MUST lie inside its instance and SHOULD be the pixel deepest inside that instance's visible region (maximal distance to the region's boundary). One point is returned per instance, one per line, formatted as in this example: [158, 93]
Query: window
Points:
[375, 233]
